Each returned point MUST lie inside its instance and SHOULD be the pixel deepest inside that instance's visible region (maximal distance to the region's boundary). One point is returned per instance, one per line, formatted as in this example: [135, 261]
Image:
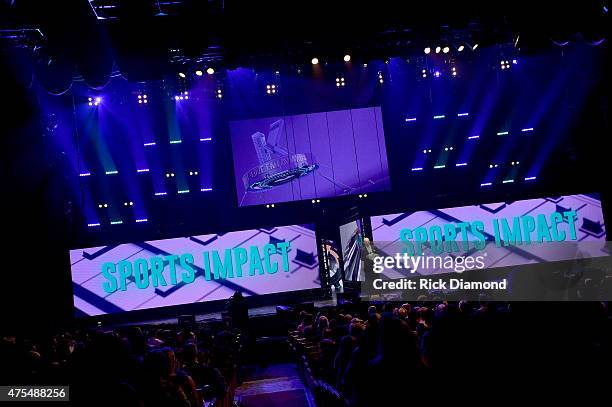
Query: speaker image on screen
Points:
[351, 241]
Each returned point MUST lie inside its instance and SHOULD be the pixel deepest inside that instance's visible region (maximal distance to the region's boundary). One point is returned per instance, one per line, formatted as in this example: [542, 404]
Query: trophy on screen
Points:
[276, 165]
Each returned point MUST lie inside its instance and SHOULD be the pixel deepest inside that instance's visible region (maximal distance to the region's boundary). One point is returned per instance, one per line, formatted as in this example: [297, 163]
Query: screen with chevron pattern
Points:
[193, 269]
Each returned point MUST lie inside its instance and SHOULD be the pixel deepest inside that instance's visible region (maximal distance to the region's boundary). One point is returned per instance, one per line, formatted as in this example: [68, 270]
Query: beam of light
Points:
[116, 222]
[91, 225]
[206, 139]
[417, 169]
[439, 166]
[440, 116]
[143, 170]
[113, 172]
[486, 184]
[462, 114]
[205, 189]
[411, 119]
[525, 130]
[84, 174]
[503, 133]
[473, 137]
[460, 164]
[529, 178]
[183, 191]
[141, 220]
[175, 141]
[507, 181]
[161, 193]
[149, 144]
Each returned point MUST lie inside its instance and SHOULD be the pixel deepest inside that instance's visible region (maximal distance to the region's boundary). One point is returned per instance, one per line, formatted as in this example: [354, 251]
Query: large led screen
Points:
[505, 234]
[160, 273]
[307, 156]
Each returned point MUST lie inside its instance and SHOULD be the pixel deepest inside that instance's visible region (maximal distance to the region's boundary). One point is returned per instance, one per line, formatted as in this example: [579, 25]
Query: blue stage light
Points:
[440, 116]
[462, 114]
[530, 178]
[161, 193]
[417, 169]
[113, 172]
[205, 189]
[141, 220]
[142, 170]
[206, 139]
[116, 222]
[486, 184]
[84, 174]
[93, 224]
[149, 144]
[460, 164]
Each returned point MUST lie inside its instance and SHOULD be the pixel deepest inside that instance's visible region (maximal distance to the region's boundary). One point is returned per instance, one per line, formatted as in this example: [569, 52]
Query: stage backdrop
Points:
[584, 211]
[308, 156]
[159, 273]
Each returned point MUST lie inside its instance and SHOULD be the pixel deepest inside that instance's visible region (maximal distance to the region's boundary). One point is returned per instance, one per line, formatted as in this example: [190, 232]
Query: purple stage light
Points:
[411, 119]
[440, 116]
[84, 174]
[437, 167]
[507, 181]
[143, 170]
[141, 220]
[149, 144]
[486, 184]
[161, 193]
[528, 129]
[530, 178]
[460, 164]
[93, 224]
[206, 139]
[206, 189]
[437, 74]
[417, 169]
[176, 97]
[462, 114]
[473, 137]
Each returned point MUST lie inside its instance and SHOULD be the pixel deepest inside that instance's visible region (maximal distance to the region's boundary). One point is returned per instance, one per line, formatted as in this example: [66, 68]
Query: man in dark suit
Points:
[368, 253]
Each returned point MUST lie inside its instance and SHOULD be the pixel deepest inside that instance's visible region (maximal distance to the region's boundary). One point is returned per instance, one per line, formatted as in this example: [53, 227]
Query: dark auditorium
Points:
[305, 203]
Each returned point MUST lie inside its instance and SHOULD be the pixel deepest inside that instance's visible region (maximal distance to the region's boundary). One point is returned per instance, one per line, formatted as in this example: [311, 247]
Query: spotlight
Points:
[347, 58]
[474, 47]
[144, 96]
[210, 71]
[199, 73]
[181, 74]
[437, 74]
[176, 97]
[446, 50]
[461, 48]
[315, 61]
[427, 50]
[97, 101]
[438, 50]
